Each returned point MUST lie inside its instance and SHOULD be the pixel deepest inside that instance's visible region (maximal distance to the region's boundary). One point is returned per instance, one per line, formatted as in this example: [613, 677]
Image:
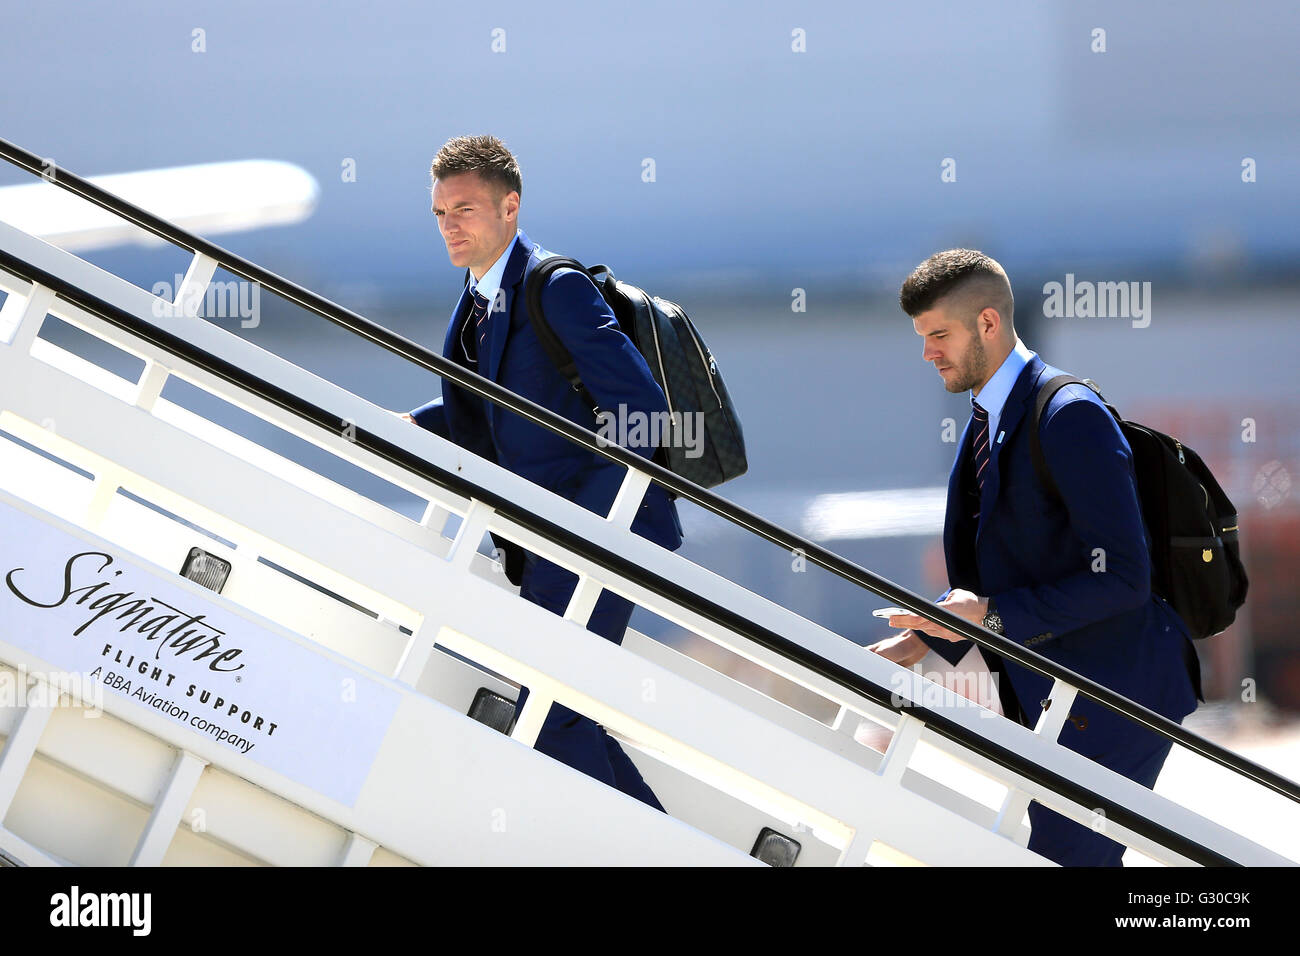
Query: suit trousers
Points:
[577, 741]
[1071, 844]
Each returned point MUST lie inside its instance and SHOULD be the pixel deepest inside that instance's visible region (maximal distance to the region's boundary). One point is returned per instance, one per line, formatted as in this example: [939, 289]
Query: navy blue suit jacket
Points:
[612, 369]
[1040, 560]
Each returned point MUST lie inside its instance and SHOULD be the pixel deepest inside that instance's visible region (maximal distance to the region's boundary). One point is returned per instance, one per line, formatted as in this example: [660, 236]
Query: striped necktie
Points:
[477, 321]
[980, 428]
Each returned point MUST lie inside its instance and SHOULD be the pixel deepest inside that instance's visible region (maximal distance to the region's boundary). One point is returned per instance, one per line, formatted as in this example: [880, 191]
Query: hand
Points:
[405, 416]
[904, 649]
[964, 604]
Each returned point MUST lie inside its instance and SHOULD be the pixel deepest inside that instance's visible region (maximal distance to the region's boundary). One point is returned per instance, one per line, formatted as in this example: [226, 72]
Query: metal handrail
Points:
[656, 584]
[710, 501]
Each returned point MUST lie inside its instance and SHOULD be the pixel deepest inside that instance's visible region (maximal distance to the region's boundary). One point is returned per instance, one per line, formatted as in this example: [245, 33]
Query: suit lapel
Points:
[453, 328]
[1013, 411]
[953, 515]
[499, 325]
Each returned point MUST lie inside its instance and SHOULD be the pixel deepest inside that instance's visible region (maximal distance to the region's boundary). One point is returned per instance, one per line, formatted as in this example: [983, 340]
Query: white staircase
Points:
[364, 636]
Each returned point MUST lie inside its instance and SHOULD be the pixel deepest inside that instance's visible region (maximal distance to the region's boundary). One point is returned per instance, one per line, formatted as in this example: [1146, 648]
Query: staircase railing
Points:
[630, 564]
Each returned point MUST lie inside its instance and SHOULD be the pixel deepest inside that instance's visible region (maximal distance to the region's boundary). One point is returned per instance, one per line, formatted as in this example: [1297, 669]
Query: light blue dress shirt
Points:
[491, 281]
[993, 396]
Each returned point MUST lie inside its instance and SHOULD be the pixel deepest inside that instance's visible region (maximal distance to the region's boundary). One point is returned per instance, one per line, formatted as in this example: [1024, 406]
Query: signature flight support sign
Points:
[86, 608]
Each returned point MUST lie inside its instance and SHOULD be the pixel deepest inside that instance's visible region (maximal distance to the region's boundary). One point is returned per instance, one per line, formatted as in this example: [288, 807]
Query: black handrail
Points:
[708, 500]
[615, 562]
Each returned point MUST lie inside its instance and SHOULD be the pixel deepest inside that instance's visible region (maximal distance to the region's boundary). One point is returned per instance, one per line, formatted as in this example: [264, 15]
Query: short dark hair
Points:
[485, 155]
[967, 272]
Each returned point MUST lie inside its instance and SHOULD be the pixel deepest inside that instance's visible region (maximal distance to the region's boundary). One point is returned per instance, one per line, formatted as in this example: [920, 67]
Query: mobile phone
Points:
[889, 611]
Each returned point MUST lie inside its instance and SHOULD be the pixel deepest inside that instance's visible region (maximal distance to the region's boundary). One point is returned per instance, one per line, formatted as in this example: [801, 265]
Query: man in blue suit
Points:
[476, 194]
[1069, 577]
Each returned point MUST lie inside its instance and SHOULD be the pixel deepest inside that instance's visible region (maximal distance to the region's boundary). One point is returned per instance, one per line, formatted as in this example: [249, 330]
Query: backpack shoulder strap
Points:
[559, 355]
[1045, 393]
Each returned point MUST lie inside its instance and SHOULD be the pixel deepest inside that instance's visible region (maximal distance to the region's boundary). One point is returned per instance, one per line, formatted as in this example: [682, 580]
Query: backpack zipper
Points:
[703, 358]
[663, 373]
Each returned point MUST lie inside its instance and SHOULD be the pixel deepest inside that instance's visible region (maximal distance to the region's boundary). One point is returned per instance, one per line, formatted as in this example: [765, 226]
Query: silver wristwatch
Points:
[992, 620]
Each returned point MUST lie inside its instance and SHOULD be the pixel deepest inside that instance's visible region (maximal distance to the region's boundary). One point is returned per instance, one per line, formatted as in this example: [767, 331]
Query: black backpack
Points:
[679, 360]
[1195, 558]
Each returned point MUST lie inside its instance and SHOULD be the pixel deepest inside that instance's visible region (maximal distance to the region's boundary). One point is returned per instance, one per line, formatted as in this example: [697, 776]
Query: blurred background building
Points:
[777, 168]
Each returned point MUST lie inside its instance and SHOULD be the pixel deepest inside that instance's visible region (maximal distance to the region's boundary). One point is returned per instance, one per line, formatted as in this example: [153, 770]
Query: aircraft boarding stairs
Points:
[316, 710]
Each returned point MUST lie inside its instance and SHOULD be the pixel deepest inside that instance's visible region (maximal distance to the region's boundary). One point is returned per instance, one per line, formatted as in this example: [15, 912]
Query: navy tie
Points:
[980, 428]
[477, 322]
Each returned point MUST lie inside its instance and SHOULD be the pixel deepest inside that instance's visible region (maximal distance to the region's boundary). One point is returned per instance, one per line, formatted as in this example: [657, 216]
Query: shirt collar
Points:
[491, 281]
[995, 394]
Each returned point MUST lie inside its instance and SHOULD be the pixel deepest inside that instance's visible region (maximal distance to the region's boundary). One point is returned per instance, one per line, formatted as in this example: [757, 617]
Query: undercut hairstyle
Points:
[485, 155]
[966, 279]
